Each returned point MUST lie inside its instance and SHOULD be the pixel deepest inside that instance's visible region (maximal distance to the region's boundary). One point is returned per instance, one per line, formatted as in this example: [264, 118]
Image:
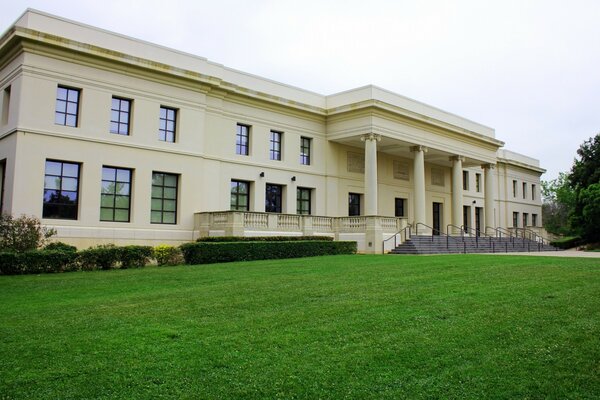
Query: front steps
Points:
[456, 244]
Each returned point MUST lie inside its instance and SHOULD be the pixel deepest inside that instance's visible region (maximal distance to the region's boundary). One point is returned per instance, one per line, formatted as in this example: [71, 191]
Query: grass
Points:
[360, 327]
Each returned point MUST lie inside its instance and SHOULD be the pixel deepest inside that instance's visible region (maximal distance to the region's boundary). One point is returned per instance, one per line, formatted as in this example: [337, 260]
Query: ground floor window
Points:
[525, 220]
[466, 217]
[2, 176]
[353, 204]
[61, 190]
[240, 196]
[303, 196]
[115, 199]
[400, 207]
[273, 197]
[164, 198]
[533, 219]
[515, 219]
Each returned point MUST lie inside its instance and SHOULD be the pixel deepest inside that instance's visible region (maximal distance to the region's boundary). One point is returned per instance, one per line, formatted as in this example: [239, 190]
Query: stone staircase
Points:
[469, 244]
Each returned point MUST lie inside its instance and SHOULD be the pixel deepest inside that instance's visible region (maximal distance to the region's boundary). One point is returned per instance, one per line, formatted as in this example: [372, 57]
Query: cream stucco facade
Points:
[65, 86]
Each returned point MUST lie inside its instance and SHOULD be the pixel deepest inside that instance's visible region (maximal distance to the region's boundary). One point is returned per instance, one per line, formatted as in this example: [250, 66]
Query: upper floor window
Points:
[478, 182]
[273, 198]
[524, 190]
[120, 114]
[240, 196]
[353, 204]
[67, 106]
[533, 192]
[465, 180]
[5, 105]
[166, 129]
[303, 205]
[242, 140]
[61, 190]
[275, 146]
[305, 144]
[115, 199]
[164, 198]
[514, 188]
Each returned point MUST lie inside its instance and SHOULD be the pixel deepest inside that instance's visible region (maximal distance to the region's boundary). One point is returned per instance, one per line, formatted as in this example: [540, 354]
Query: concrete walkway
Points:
[564, 253]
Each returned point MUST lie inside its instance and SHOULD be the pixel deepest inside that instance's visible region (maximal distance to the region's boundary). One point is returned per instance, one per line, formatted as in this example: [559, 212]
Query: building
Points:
[110, 139]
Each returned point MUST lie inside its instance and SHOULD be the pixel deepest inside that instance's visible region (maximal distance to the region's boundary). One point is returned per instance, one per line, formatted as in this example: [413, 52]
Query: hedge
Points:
[567, 242]
[263, 238]
[207, 253]
[134, 256]
[37, 261]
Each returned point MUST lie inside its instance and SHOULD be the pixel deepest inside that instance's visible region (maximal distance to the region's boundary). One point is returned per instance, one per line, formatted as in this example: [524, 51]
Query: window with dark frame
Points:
[478, 182]
[67, 106]
[240, 196]
[273, 197]
[303, 201]
[120, 114]
[115, 198]
[465, 180]
[61, 190]
[305, 144]
[525, 220]
[242, 140]
[514, 188]
[164, 198]
[2, 178]
[524, 190]
[167, 124]
[353, 204]
[515, 219]
[275, 146]
[533, 219]
[533, 191]
[399, 207]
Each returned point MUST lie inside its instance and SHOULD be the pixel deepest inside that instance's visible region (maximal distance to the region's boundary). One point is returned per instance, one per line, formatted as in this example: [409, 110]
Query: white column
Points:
[490, 195]
[457, 191]
[370, 140]
[419, 183]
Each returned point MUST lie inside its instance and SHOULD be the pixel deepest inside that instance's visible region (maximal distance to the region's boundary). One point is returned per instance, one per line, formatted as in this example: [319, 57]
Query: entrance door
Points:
[437, 218]
[478, 220]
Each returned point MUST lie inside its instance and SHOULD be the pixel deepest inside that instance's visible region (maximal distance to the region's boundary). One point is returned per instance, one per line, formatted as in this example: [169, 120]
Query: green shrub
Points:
[103, 257]
[134, 256]
[168, 255]
[206, 253]
[567, 242]
[263, 238]
[60, 246]
[37, 261]
[23, 233]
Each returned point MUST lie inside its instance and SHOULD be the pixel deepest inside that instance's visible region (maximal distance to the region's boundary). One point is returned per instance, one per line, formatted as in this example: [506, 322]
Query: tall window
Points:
[67, 106]
[273, 197]
[533, 219]
[2, 177]
[514, 188]
[275, 146]
[164, 198]
[120, 113]
[524, 190]
[525, 220]
[533, 192]
[478, 182]
[353, 204]
[115, 199]
[242, 140]
[240, 196]
[305, 150]
[515, 219]
[166, 129]
[5, 105]
[61, 190]
[303, 205]
[400, 207]
[465, 180]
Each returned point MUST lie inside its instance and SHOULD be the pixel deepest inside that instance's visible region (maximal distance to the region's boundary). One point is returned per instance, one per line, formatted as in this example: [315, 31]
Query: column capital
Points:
[419, 148]
[457, 158]
[370, 136]
[488, 166]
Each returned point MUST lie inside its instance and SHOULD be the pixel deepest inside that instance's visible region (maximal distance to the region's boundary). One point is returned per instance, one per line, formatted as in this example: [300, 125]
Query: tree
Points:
[559, 201]
[22, 233]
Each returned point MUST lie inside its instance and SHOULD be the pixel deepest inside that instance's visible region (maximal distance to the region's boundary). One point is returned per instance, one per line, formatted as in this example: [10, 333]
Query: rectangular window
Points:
[273, 197]
[478, 183]
[164, 198]
[167, 124]
[533, 219]
[533, 192]
[2, 177]
[275, 146]
[120, 114]
[514, 188]
[400, 207]
[67, 106]
[515, 219]
[525, 220]
[305, 150]
[465, 180]
[240, 196]
[5, 105]
[353, 204]
[524, 190]
[242, 140]
[115, 198]
[61, 190]
[303, 197]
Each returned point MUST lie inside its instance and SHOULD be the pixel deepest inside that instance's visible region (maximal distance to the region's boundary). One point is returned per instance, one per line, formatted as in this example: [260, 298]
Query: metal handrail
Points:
[499, 230]
[405, 230]
[536, 236]
[440, 233]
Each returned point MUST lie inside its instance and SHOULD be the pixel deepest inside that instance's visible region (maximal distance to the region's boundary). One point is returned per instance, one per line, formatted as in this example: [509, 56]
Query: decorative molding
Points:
[457, 158]
[356, 162]
[401, 170]
[370, 136]
[437, 177]
[419, 148]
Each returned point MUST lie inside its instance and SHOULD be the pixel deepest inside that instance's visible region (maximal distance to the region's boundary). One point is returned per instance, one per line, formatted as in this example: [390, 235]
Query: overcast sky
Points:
[529, 69]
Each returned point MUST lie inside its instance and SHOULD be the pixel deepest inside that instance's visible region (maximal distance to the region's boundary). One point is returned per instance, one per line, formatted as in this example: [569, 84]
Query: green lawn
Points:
[355, 327]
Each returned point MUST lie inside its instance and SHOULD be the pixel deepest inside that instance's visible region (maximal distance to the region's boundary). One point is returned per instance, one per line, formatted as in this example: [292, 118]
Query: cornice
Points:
[521, 165]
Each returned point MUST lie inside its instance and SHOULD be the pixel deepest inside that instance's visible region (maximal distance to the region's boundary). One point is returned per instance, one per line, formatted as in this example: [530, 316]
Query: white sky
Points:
[529, 69]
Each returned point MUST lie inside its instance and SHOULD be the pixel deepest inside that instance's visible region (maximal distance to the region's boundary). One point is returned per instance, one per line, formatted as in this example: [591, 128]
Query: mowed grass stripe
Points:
[460, 326]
